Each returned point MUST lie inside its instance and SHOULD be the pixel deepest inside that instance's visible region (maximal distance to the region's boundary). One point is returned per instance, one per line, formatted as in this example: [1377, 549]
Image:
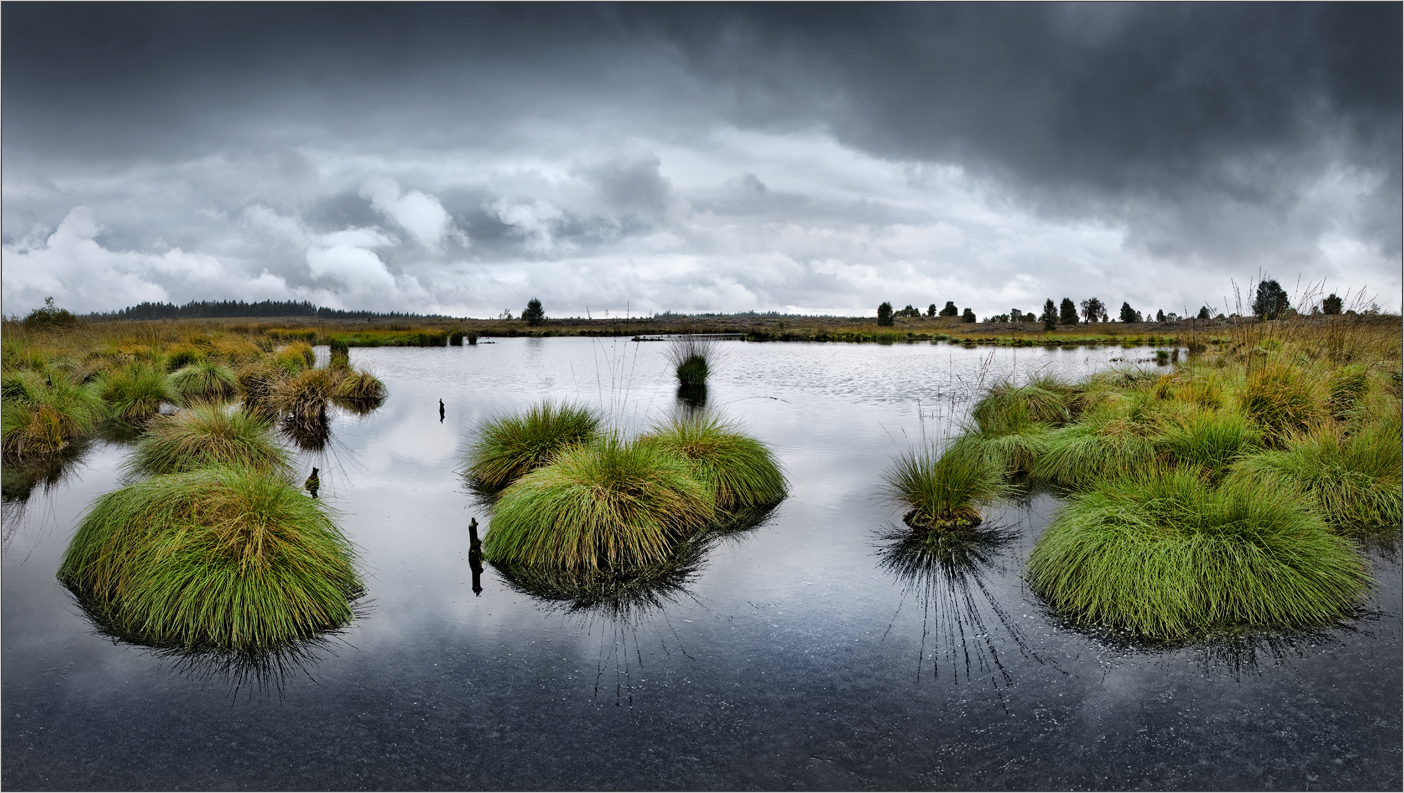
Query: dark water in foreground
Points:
[813, 651]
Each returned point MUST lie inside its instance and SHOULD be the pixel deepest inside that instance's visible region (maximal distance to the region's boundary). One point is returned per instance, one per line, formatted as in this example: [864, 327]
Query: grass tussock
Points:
[740, 471]
[1353, 480]
[219, 558]
[508, 447]
[603, 504]
[44, 412]
[944, 491]
[1209, 440]
[692, 357]
[205, 380]
[359, 386]
[135, 393]
[1106, 444]
[304, 395]
[1008, 408]
[1281, 399]
[208, 435]
[295, 357]
[1163, 556]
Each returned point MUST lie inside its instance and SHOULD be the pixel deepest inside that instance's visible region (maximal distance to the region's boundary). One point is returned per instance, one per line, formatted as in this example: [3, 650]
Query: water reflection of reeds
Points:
[625, 605]
[945, 572]
[20, 480]
[256, 673]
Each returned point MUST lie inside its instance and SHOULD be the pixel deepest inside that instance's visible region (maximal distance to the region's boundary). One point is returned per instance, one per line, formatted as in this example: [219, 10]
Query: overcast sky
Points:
[461, 159]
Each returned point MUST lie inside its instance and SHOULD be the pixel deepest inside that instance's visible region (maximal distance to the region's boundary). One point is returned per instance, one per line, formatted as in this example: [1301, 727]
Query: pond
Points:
[812, 651]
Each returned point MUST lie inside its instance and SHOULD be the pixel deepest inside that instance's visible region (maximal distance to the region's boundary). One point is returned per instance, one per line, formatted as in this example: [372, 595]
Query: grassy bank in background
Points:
[1224, 492]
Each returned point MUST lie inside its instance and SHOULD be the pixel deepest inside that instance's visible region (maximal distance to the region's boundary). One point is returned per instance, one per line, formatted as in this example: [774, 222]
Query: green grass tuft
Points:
[208, 435]
[945, 491]
[134, 393]
[508, 447]
[1162, 555]
[1107, 442]
[359, 386]
[1210, 440]
[219, 558]
[691, 357]
[205, 380]
[1281, 399]
[604, 504]
[1009, 408]
[741, 471]
[1354, 481]
[44, 412]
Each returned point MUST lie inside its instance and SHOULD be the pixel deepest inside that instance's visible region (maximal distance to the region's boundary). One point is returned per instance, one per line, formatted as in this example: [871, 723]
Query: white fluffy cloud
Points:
[418, 213]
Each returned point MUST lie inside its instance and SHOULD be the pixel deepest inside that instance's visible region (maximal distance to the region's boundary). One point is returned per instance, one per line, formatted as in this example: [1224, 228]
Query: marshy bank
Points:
[864, 661]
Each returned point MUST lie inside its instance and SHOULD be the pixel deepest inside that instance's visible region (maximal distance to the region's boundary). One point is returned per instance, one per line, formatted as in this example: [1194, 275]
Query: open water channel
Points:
[811, 651]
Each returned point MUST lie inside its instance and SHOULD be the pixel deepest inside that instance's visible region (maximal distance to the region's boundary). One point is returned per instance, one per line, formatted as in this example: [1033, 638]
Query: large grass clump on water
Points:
[603, 504]
[741, 471]
[1160, 554]
[945, 491]
[508, 447]
[219, 558]
[205, 436]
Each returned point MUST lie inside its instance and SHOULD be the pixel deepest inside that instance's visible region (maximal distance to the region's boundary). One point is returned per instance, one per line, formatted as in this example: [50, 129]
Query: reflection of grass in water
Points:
[19, 482]
[622, 593]
[255, 672]
[311, 434]
[944, 571]
[620, 601]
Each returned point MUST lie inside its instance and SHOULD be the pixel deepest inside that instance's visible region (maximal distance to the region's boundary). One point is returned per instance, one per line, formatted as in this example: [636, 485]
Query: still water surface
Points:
[813, 651]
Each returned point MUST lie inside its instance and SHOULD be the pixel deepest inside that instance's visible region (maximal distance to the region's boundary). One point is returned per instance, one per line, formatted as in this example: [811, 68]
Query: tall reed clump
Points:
[134, 393]
[944, 491]
[208, 435]
[1354, 480]
[340, 352]
[691, 357]
[205, 380]
[1012, 423]
[1105, 442]
[1162, 555]
[508, 447]
[608, 503]
[740, 471]
[218, 558]
[45, 412]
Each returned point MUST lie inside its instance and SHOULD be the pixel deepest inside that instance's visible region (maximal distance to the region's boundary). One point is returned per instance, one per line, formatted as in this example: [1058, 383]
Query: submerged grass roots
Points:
[604, 504]
[945, 491]
[219, 558]
[205, 436]
[1164, 556]
[510, 446]
[741, 471]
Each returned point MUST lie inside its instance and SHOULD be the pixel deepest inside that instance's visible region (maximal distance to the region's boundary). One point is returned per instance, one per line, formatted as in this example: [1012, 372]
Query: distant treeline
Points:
[212, 309]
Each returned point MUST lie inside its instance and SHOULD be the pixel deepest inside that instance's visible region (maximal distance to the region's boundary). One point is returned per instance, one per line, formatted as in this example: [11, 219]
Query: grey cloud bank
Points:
[463, 158]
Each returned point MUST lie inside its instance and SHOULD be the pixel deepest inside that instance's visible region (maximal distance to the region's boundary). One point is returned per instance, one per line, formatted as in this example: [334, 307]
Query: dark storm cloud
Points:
[459, 135]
